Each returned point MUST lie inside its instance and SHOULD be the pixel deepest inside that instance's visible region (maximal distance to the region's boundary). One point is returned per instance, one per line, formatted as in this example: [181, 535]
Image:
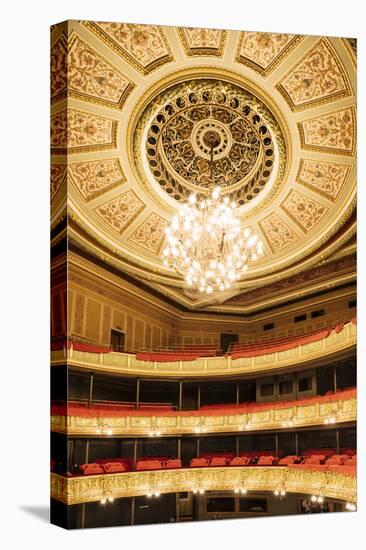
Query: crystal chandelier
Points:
[205, 241]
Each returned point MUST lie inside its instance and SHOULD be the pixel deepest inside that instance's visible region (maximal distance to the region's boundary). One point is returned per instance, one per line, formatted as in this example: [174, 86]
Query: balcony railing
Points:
[95, 488]
[338, 408]
[269, 359]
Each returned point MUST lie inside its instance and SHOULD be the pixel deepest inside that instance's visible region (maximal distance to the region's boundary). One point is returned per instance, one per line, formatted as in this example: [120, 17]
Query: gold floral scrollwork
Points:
[94, 488]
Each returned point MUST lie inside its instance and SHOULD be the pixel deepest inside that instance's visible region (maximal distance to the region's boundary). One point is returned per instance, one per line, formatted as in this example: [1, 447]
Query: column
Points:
[138, 394]
[134, 453]
[337, 442]
[180, 395]
[237, 393]
[133, 511]
[179, 447]
[82, 519]
[91, 384]
[296, 444]
[199, 397]
[335, 378]
[87, 452]
[177, 507]
[276, 444]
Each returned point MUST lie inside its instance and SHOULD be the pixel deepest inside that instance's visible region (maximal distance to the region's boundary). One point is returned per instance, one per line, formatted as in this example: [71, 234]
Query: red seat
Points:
[198, 462]
[240, 461]
[336, 460]
[114, 467]
[314, 459]
[218, 461]
[267, 461]
[149, 465]
[290, 459]
[173, 463]
[91, 469]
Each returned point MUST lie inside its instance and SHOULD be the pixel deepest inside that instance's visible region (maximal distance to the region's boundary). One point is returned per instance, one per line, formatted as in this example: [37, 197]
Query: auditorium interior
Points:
[201, 370]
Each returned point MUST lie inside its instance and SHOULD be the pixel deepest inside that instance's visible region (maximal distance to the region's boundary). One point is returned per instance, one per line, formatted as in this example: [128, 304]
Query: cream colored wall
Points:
[97, 305]
[93, 313]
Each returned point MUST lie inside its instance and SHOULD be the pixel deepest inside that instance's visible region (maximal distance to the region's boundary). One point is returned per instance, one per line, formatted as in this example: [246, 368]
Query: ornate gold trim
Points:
[215, 72]
[322, 100]
[202, 51]
[93, 27]
[87, 148]
[101, 192]
[76, 490]
[316, 189]
[312, 414]
[67, 93]
[329, 150]
[276, 61]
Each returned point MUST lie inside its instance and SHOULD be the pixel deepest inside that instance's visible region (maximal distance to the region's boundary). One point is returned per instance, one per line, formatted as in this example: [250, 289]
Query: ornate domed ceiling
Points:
[135, 108]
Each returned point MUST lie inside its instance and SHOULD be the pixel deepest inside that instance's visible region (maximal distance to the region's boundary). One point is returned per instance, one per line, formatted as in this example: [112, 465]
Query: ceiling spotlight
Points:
[110, 499]
[313, 498]
[103, 501]
[243, 491]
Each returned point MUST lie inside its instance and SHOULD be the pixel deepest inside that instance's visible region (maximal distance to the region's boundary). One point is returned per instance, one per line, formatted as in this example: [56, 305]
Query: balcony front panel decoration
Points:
[335, 409]
[92, 488]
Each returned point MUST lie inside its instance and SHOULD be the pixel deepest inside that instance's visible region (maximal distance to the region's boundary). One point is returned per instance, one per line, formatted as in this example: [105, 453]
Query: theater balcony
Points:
[323, 482]
[117, 419]
[198, 361]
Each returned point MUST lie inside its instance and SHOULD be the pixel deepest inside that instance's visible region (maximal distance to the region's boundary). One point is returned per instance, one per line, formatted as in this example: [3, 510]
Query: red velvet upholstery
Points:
[315, 459]
[91, 469]
[149, 465]
[114, 467]
[240, 461]
[267, 461]
[173, 463]
[336, 460]
[290, 459]
[199, 463]
[218, 461]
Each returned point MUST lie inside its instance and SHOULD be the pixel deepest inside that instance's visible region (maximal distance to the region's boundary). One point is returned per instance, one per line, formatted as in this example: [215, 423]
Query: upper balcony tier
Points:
[188, 362]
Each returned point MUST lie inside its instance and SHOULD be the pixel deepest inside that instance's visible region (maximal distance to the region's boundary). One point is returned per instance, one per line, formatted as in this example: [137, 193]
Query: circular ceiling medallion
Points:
[182, 124]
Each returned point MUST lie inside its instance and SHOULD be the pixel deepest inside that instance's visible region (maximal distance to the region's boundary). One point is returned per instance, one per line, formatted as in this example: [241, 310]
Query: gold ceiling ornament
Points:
[104, 123]
[171, 148]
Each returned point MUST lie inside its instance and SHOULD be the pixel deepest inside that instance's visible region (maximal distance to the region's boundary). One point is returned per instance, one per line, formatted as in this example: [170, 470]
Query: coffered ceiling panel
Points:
[131, 107]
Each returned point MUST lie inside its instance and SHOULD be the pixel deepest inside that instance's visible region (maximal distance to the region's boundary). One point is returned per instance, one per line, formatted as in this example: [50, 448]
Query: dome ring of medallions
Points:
[264, 106]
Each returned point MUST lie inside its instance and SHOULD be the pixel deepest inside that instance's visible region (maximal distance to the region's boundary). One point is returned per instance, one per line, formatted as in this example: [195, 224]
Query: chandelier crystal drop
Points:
[207, 245]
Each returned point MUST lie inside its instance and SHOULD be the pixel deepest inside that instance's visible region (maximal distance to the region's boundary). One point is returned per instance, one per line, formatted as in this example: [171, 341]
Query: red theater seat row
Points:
[342, 463]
